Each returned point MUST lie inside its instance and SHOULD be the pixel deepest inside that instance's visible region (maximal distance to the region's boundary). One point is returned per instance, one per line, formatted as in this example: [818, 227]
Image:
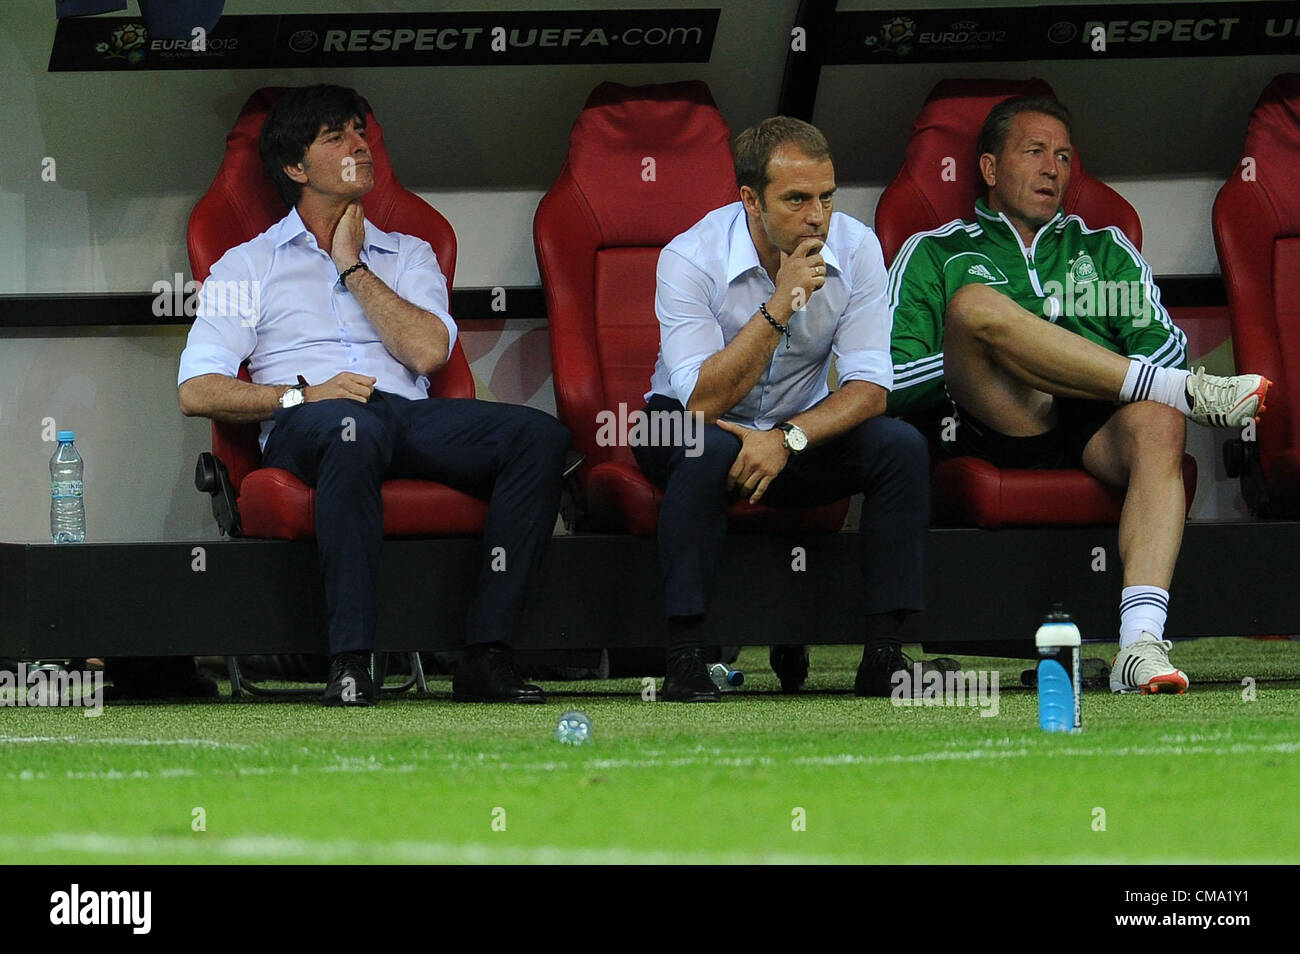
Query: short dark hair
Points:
[753, 148]
[997, 125]
[293, 124]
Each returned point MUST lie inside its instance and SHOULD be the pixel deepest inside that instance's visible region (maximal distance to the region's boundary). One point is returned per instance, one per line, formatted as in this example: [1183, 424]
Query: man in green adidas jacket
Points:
[1050, 342]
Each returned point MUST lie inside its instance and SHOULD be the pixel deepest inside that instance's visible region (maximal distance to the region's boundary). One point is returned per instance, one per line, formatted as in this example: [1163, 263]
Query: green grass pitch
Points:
[820, 777]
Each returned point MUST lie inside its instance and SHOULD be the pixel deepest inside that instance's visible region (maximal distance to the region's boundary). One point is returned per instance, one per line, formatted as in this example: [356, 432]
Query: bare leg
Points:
[1141, 448]
[1003, 364]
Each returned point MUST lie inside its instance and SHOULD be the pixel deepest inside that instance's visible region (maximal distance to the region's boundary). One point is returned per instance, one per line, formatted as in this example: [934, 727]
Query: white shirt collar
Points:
[292, 227]
[742, 256]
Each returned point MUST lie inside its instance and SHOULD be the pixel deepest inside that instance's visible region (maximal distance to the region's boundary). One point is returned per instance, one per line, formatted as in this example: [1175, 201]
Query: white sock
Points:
[1146, 382]
[1142, 609]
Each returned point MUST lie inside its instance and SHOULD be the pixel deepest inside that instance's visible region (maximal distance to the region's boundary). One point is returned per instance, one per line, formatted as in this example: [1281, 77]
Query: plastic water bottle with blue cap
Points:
[726, 678]
[1060, 701]
[67, 511]
[574, 728]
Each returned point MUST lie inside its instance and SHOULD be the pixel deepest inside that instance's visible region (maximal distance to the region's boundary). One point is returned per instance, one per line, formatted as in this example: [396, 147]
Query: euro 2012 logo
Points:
[125, 43]
[895, 36]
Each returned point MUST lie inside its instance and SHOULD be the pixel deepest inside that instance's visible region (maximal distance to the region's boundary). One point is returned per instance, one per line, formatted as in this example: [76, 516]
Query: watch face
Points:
[795, 438]
[291, 398]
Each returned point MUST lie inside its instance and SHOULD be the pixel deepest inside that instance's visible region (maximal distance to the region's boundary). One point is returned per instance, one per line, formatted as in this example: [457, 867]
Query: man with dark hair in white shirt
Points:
[753, 301]
[362, 315]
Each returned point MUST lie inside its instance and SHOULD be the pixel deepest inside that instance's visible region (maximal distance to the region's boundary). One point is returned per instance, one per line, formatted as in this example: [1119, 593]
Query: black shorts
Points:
[1062, 446]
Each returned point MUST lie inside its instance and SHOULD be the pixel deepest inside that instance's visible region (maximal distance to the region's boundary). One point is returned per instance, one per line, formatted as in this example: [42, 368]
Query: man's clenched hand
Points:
[345, 384]
[802, 272]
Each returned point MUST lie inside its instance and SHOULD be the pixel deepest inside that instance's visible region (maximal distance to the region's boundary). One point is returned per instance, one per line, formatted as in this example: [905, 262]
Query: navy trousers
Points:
[511, 456]
[883, 458]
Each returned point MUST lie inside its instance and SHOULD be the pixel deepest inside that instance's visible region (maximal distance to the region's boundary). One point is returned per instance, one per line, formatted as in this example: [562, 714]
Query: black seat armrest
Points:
[573, 508]
[211, 477]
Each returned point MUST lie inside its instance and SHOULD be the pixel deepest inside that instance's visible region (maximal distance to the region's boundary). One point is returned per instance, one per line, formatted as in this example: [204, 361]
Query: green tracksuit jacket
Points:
[1090, 281]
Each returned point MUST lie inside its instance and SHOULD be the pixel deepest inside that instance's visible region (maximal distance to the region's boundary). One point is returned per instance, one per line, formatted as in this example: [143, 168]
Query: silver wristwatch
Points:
[795, 438]
[293, 397]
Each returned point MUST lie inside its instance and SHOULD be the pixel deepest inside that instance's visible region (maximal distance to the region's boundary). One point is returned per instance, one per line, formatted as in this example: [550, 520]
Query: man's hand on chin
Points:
[762, 456]
[349, 235]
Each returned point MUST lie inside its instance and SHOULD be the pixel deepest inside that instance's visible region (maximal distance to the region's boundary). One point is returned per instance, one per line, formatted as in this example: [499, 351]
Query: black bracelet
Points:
[783, 329]
[343, 275]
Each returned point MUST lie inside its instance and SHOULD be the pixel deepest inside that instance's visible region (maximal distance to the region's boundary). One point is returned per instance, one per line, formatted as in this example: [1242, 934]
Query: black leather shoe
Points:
[488, 674]
[790, 663]
[688, 678]
[350, 683]
[876, 672]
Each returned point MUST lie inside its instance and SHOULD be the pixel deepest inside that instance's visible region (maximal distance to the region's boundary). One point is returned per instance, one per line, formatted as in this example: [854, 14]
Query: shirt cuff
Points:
[451, 333]
[877, 367]
[207, 359]
[685, 376]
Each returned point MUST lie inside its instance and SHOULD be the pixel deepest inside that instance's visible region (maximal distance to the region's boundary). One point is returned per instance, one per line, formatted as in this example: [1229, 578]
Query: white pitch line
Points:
[991, 752]
[851, 758]
[115, 775]
[281, 848]
[92, 740]
[1241, 748]
[112, 775]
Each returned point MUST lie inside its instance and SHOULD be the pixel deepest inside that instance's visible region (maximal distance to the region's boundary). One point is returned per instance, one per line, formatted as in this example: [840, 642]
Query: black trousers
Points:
[511, 456]
[884, 458]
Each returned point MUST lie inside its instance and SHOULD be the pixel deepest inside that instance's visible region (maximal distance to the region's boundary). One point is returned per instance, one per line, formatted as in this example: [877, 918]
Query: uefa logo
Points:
[303, 41]
[894, 36]
[125, 43]
[1062, 31]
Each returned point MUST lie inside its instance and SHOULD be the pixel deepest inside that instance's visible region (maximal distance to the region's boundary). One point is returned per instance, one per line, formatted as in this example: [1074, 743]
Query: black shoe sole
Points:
[696, 697]
[518, 700]
[868, 694]
[883, 690]
[691, 695]
[363, 700]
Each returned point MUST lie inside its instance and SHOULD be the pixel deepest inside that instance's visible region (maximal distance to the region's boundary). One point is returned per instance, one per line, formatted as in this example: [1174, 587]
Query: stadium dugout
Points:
[252, 594]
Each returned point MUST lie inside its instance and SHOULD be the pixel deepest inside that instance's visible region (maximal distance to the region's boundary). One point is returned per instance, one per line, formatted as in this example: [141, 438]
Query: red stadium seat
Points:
[968, 491]
[242, 203]
[598, 234]
[1257, 235]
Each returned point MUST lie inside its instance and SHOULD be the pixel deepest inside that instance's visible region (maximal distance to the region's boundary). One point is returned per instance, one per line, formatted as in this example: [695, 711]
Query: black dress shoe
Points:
[790, 663]
[350, 683]
[876, 671]
[487, 674]
[688, 678]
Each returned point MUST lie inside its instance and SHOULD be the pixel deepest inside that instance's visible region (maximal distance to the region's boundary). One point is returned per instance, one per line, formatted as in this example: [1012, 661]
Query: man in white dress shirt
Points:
[359, 319]
[753, 301]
